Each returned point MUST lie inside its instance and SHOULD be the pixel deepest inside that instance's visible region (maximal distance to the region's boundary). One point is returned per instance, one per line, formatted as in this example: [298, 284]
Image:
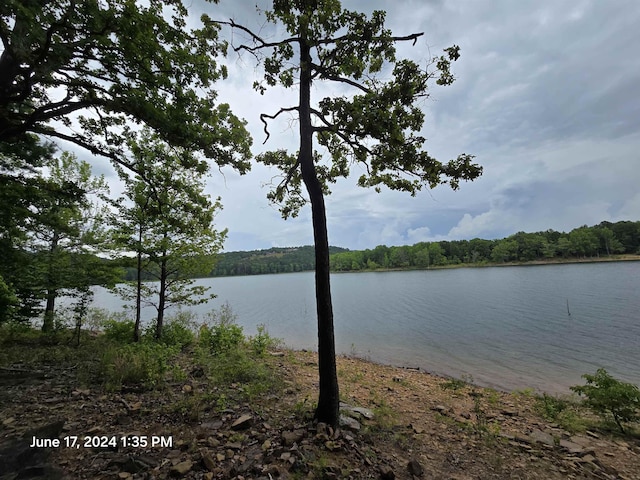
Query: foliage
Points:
[85, 72]
[551, 407]
[222, 338]
[606, 395]
[177, 332]
[8, 301]
[135, 365]
[262, 341]
[168, 223]
[118, 330]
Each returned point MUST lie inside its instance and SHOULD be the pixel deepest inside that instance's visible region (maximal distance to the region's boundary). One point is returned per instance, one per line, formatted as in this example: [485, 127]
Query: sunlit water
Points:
[506, 327]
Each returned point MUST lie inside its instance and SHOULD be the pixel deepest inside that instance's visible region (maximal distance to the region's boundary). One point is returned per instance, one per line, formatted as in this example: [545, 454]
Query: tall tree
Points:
[67, 231]
[87, 71]
[168, 223]
[377, 126]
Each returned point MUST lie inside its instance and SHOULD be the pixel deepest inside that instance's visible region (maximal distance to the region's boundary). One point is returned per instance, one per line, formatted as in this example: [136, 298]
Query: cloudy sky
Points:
[547, 98]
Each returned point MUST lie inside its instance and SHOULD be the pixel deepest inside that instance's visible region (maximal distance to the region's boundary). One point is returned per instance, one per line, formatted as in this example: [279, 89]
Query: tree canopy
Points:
[91, 72]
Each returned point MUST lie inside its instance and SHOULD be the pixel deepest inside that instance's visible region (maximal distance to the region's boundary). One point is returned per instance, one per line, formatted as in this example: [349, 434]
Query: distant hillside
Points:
[272, 260]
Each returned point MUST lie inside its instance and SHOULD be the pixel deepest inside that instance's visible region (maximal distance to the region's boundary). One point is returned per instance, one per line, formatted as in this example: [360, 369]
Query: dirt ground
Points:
[398, 423]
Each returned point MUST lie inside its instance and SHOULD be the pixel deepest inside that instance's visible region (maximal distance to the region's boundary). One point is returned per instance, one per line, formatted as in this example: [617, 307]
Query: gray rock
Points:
[349, 422]
[291, 437]
[242, 423]
[542, 437]
[181, 468]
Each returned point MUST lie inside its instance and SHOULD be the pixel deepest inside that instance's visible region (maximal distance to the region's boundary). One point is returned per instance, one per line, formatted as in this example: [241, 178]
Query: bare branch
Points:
[330, 41]
[263, 116]
[324, 73]
[260, 42]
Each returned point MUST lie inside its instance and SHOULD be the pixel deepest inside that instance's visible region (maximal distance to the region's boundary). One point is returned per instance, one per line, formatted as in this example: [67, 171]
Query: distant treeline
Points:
[599, 240]
[583, 242]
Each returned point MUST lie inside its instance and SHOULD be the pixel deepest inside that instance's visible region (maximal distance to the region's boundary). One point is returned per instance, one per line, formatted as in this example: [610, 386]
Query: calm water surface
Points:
[507, 327]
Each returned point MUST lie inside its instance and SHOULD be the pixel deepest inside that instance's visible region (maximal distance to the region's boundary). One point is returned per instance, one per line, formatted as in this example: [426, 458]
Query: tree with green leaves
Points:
[89, 72]
[168, 222]
[378, 126]
[21, 189]
[67, 232]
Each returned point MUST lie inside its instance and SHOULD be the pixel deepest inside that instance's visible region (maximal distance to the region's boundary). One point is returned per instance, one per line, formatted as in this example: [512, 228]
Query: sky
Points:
[547, 98]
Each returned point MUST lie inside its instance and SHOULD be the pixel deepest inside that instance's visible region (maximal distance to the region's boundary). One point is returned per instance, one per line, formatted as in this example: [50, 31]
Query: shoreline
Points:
[555, 261]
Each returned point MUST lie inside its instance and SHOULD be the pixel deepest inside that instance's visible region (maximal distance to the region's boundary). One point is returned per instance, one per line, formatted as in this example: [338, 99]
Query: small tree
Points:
[377, 126]
[168, 223]
[607, 395]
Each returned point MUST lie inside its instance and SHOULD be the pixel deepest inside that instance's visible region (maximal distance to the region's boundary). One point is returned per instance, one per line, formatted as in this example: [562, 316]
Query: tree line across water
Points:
[602, 240]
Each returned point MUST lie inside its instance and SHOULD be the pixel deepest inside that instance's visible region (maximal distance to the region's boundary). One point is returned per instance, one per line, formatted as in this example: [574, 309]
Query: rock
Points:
[350, 423]
[242, 423]
[291, 437]
[441, 409]
[386, 472]
[208, 461]
[213, 442]
[509, 413]
[364, 412]
[212, 425]
[266, 445]
[571, 447]
[542, 437]
[416, 428]
[181, 468]
[19, 460]
[415, 468]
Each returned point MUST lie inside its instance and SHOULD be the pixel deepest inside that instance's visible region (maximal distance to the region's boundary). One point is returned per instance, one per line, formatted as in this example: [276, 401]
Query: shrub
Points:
[177, 331]
[120, 331]
[262, 341]
[551, 407]
[224, 334]
[136, 364]
[607, 395]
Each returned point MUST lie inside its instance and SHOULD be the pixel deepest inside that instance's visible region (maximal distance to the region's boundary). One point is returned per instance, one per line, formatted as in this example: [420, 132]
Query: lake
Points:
[505, 327]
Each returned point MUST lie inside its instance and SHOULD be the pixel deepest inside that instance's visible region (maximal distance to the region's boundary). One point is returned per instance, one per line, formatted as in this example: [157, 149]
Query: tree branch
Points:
[329, 41]
[273, 117]
[261, 43]
[324, 73]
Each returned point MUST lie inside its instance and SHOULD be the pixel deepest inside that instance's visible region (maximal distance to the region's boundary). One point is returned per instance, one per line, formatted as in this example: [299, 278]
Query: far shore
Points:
[552, 261]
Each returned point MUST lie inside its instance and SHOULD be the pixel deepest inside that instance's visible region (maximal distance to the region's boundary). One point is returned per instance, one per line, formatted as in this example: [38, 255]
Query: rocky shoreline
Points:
[396, 423]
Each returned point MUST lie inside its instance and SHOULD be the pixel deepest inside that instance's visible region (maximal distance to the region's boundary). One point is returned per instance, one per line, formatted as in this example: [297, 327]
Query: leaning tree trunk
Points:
[329, 397]
[162, 297]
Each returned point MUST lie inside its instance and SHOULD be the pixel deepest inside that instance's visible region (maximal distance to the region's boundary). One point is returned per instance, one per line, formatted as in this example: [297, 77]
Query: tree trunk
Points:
[329, 397]
[161, 299]
[52, 292]
[136, 328]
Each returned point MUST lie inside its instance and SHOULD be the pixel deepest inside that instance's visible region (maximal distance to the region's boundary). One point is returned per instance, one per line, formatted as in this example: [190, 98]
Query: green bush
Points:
[177, 330]
[141, 365]
[262, 341]
[606, 395]
[119, 331]
[221, 334]
[551, 407]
